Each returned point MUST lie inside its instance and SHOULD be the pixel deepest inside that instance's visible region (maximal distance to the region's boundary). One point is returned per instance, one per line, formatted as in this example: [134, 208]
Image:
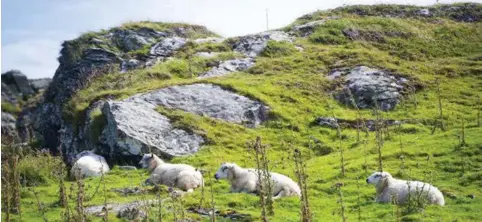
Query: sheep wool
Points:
[389, 189]
[181, 176]
[246, 180]
[88, 164]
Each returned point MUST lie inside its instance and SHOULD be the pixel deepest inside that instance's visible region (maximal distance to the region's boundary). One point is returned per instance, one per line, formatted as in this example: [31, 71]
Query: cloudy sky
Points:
[32, 30]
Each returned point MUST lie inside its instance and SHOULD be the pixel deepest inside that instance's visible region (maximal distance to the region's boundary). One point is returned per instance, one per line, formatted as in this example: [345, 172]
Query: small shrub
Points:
[321, 149]
[178, 67]
[331, 36]
[140, 53]
[212, 47]
[10, 108]
[158, 75]
[35, 169]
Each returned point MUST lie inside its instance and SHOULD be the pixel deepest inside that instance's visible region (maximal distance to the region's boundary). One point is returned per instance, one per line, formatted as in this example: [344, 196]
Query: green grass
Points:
[10, 108]
[294, 86]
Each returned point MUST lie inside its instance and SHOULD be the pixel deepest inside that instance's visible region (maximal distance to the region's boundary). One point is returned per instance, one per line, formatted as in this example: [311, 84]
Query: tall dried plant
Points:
[301, 176]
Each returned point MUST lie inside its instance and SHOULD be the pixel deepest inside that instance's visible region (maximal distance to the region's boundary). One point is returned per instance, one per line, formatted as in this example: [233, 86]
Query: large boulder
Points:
[229, 66]
[369, 87]
[136, 128]
[253, 45]
[208, 100]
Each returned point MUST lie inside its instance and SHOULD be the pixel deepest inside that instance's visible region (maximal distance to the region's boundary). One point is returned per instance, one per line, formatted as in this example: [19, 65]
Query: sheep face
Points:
[377, 176]
[146, 160]
[223, 171]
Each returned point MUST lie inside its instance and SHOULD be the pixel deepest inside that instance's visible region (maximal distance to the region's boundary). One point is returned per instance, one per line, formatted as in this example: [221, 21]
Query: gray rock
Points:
[424, 12]
[121, 207]
[327, 122]
[8, 125]
[253, 45]
[71, 76]
[40, 84]
[307, 28]
[24, 125]
[199, 99]
[167, 46]
[130, 65]
[99, 55]
[229, 66]
[68, 143]
[131, 40]
[8, 95]
[208, 40]
[135, 128]
[369, 87]
[131, 213]
[207, 54]
[17, 83]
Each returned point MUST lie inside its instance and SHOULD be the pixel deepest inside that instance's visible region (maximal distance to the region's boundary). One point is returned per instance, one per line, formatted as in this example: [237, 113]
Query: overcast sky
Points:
[32, 30]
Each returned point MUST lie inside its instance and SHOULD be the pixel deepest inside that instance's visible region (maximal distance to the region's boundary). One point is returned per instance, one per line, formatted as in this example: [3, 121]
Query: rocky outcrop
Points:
[130, 40]
[253, 45]
[369, 87]
[95, 54]
[135, 128]
[199, 99]
[17, 90]
[17, 83]
[226, 67]
[8, 125]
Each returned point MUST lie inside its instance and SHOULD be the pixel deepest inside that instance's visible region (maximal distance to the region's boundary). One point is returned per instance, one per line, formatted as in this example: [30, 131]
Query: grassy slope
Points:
[295, 88]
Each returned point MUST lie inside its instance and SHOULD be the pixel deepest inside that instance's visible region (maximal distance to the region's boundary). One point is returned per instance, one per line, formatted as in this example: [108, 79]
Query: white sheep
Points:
[245, 180]
[181, 176]
[390, 189]
[88, 164]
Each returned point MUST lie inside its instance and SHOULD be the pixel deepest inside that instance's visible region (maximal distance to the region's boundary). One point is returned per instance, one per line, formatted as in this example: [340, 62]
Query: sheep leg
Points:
[280, 194]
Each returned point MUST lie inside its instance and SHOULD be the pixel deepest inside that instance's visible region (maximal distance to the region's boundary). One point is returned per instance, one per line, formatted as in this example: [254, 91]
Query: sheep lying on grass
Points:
[390, 189]
[246, 181]
[88, 164]
[181, 176]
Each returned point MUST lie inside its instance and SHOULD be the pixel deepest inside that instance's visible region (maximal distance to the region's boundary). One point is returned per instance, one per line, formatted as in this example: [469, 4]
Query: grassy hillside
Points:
[293, 84]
